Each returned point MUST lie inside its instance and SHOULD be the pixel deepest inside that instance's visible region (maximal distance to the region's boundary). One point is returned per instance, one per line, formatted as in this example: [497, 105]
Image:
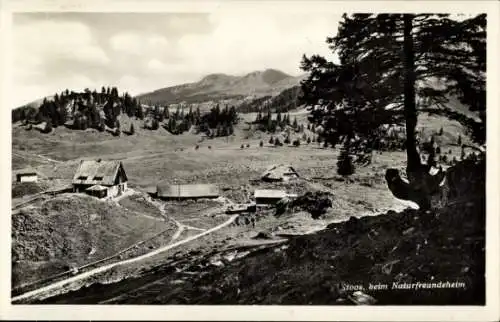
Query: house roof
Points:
[20, 174]
[269, 193]
[92, 172]
[187, 191]
[279, 172]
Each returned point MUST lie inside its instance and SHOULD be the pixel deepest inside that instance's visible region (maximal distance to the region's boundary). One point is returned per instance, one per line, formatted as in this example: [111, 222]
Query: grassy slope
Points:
[64, 230]
[446, 245]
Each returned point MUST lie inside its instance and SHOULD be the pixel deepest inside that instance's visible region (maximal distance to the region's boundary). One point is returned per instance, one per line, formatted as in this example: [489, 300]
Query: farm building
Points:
[187, 191]
[27, 177]
[270, 197]
[100, 178]
[280, 172]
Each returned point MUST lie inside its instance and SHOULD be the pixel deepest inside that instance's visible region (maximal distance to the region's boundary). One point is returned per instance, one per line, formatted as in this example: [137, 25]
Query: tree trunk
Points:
[410, 109]
[421, 187]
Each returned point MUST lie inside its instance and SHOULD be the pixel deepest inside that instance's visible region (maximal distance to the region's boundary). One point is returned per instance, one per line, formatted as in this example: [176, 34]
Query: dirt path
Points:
[30, 155]
[52, 289]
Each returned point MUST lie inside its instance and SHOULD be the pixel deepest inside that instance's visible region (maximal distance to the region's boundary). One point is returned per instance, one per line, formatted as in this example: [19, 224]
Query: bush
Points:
[296, 143]
[287, 140]
[261, 143]
[242, 146]
[197, 147]
[277, 142]
[210, 147]
[248, 145]
[308, 140]
[271, 140]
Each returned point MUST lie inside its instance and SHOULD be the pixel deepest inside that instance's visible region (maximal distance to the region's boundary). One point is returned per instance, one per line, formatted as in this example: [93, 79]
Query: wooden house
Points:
[100, 178]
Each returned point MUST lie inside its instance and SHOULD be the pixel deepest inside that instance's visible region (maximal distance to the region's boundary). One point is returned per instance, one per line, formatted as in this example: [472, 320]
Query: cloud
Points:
[135, 43]
[249, 41]
[40, 41]
[43, 48]
[143, 52]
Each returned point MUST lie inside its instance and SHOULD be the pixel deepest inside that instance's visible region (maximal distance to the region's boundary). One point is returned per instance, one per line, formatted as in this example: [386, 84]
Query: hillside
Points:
[396, 258]
[216, 87]
[68, 231]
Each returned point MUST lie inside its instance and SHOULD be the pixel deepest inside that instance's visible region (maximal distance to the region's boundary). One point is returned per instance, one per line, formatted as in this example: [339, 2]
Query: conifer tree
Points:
[387, 60]
[345, 166]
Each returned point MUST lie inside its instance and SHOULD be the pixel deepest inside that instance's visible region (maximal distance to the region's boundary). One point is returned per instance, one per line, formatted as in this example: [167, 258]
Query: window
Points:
[98, 178]
[82, 178]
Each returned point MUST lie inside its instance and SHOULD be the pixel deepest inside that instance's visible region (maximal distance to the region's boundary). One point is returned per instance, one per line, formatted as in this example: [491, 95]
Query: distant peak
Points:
[214, 76]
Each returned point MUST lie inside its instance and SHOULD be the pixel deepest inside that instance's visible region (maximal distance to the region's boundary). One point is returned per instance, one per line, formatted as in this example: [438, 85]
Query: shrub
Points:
[271, 140]
[248, 145]
[242, 146]
[197, 147]
[308, 140]
[296, 142]
[261, 144]
[287, 140]
[277, 142]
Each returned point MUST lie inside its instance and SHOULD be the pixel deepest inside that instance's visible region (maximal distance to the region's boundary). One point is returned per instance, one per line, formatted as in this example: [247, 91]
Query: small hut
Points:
[27, 177]
[281, 172]
[268, 196]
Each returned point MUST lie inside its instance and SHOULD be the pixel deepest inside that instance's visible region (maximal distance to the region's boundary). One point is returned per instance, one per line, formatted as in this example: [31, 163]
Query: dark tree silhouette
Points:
[345, 166]
[382, 60]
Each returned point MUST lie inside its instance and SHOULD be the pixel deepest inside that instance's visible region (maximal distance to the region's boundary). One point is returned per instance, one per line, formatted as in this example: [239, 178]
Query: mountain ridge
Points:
[220, 86]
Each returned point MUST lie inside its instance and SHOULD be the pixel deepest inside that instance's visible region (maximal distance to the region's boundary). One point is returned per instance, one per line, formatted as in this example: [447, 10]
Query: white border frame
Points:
[293, 313]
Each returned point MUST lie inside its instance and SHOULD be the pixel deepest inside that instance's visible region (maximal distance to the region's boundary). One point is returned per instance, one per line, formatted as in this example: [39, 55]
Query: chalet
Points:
[100, 178]
[270, 197]
[279, 172]
[27, 177]
[187, 191]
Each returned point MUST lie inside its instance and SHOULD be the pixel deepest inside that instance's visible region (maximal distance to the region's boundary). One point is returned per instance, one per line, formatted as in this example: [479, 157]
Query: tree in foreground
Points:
[393, 66]
[345, 166]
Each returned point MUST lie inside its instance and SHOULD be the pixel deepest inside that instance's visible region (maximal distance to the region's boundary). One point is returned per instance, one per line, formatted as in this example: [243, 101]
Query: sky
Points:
[141, 52]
